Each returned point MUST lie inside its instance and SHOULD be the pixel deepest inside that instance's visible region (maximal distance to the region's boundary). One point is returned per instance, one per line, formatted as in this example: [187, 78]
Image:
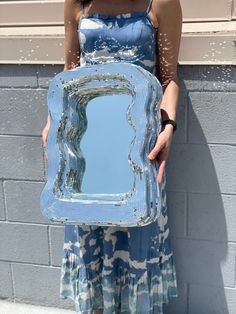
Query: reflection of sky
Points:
[106, 144]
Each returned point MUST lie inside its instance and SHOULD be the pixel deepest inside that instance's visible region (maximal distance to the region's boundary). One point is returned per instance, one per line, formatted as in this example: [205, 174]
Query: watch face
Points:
[103, 127]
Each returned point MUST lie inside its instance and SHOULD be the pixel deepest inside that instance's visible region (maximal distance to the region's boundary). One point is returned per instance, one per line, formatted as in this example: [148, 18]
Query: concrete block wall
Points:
[201, 191]
[31, 245]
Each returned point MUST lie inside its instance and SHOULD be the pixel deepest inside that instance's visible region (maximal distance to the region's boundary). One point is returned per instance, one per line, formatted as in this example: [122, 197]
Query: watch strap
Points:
[169, 121]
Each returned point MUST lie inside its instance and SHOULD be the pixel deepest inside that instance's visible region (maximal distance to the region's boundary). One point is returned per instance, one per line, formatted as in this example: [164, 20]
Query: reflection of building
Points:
[201, 166]
[33, 32]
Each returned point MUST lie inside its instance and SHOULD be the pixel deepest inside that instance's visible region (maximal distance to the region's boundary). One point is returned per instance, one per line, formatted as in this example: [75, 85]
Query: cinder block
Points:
[212, 217]
[177, 207]
[207, 78]
[230, 294]
[24, 243]
[6, 290]
[189, 77]
[207, 299]
[202, 168]
[21, 158]
[38, 285]
[2, 207]
[22, 201]
[56, 238]
[217, 77]
[23, 111]
[204, 262]
[178, 305]
[47, 73]
[212, 117]
[14, 75]
[180, 136]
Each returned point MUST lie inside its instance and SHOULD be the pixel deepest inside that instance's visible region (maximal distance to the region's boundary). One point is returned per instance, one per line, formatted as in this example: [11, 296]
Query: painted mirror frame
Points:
[69, 92]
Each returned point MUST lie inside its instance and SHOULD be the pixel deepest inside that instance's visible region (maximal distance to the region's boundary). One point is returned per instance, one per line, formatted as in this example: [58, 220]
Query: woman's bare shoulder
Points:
[73, 8]
[72, 2]
[167, 11]
[166, 2]
[161, 6]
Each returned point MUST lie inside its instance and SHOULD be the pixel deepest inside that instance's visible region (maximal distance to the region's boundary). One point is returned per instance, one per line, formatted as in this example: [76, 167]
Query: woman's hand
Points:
[161, 150]
[45, 135]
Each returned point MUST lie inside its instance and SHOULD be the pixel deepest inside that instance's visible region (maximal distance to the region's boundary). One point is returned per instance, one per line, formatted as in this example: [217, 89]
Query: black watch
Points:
[169, 121]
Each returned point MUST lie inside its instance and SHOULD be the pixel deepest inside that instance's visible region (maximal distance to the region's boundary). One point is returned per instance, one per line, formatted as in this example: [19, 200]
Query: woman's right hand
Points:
[45, 135]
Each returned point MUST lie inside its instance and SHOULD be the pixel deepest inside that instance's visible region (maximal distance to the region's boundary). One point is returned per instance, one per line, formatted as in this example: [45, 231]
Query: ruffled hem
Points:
[128, 292]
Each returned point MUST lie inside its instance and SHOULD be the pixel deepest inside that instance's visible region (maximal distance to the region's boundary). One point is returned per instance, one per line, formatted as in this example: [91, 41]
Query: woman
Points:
[116, 269]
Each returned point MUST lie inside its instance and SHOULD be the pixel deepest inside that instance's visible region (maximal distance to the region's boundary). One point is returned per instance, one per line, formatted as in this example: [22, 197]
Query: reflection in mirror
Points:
[106, 144]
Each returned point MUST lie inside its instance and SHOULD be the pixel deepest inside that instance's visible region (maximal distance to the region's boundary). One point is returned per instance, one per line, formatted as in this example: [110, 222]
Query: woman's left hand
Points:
[161, 150]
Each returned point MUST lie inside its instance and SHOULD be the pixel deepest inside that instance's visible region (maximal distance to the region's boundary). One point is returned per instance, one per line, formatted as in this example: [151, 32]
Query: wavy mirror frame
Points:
[61, 199]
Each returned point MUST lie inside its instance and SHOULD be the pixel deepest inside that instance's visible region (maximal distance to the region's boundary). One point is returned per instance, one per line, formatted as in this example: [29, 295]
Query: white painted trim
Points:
[201, 43]
[50, 12]
[208, 10]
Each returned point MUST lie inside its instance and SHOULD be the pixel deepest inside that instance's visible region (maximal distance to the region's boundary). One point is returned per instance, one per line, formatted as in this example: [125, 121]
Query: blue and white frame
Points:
[69, 92]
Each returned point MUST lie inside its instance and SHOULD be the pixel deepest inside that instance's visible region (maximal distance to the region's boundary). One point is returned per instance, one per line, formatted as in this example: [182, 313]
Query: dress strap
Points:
[82, 3]
[149, 6]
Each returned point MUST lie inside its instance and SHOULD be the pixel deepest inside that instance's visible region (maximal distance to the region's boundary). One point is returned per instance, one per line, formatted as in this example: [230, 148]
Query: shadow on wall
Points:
[201, 191]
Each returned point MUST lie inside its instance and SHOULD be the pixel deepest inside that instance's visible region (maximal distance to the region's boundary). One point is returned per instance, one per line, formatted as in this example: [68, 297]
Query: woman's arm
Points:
[169, 17]
[72, 10]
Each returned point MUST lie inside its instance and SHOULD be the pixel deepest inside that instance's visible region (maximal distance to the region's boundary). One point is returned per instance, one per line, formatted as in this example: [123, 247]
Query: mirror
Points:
[104, 122]
[105, 146]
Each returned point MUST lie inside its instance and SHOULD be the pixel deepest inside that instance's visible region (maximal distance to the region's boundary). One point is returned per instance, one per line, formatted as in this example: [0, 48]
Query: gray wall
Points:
[201, 187]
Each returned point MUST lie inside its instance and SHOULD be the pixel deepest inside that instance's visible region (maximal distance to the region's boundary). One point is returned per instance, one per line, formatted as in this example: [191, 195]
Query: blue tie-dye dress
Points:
[120, 270]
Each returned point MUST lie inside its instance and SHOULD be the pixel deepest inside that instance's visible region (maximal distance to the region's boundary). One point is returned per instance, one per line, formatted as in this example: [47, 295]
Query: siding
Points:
[32, 32]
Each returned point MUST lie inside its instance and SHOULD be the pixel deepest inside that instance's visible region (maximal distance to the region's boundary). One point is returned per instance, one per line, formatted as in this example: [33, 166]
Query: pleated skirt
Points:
[128, 270]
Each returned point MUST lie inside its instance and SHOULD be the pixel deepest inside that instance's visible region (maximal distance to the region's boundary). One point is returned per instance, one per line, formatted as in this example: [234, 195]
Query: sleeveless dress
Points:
[128, 270]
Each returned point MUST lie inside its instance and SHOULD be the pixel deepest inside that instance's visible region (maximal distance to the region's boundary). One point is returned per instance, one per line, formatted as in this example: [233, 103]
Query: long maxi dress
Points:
[128, 270]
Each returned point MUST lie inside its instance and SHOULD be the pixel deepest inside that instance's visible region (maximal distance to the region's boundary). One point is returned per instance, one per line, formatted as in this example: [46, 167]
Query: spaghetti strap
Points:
[82, 3]
[149, 6]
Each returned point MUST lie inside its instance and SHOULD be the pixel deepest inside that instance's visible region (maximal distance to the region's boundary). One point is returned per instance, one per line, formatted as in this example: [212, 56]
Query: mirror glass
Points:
[105, 146]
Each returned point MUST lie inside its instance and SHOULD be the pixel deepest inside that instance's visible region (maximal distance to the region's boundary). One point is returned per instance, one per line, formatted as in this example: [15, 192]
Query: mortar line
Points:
[4, 200]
